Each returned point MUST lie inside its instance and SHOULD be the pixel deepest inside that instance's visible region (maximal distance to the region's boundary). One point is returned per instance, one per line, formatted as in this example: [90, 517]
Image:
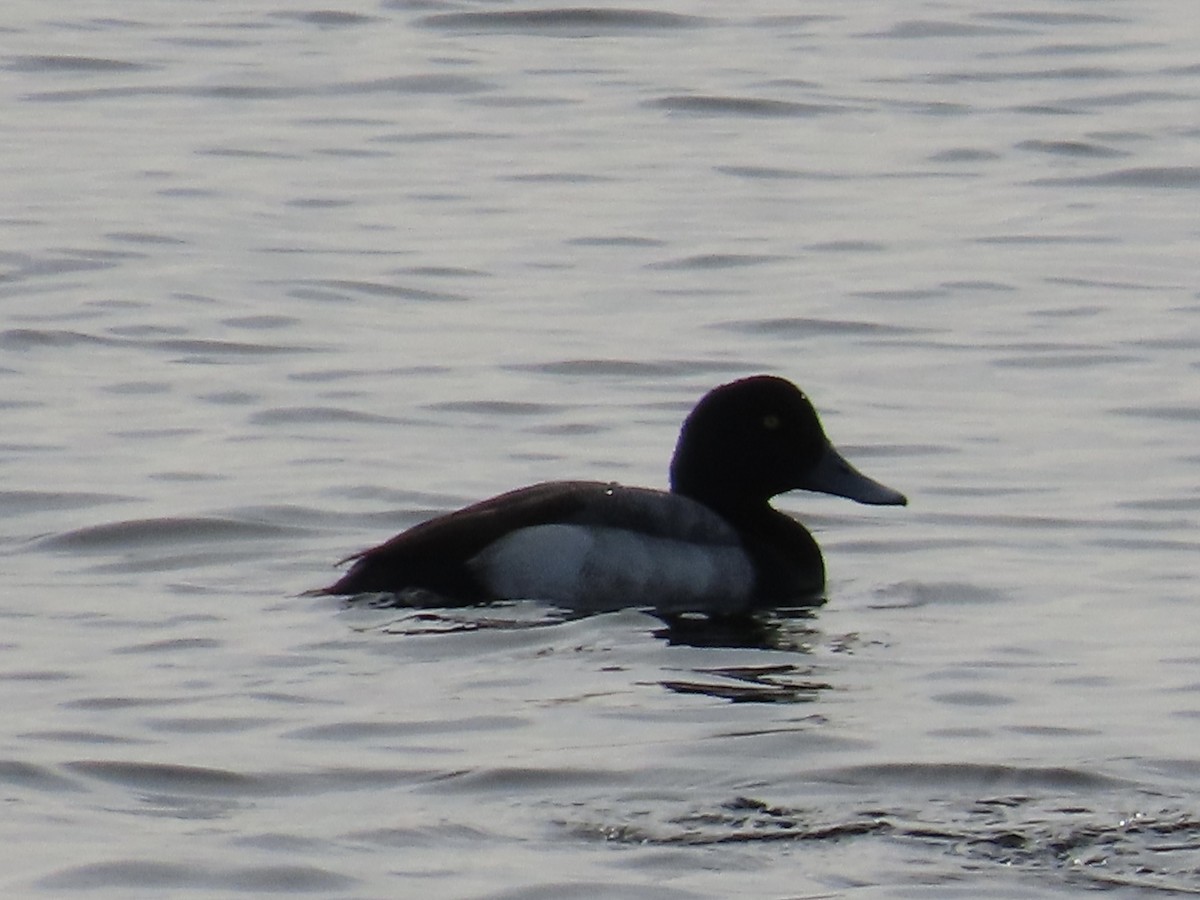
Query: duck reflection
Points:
[791, 631]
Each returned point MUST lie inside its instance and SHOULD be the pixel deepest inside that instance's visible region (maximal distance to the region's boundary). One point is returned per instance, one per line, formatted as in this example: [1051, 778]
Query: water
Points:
[281, 280]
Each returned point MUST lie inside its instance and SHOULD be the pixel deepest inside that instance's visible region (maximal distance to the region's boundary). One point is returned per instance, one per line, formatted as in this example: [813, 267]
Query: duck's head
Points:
[757, 437]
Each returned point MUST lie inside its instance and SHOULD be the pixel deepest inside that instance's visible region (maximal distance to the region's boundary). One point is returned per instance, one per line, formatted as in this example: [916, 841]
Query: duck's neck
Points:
[737, 509]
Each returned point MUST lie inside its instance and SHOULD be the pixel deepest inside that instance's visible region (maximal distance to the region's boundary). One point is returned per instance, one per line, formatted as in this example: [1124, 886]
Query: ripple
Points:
[30, 338]
[173, 783]
[145, 238]
[1074, 149]
[439, 83]
[976, 699]
[1042, 837]
[737, 821]
[36, 675]
[26, 502]
[917, 594]
[324, 415]
[226, 348]
[574, 21]
[171, 645]
[140, 532]
[753, 684]
[616, 240]
[401, 84]
[625, 368]
[519, 780]
[261, 322]
[72, 63]
[139, 875]
[1140, 177]
[848, 247]
[1162, 412]
[208, 724]
[1065, 359]
[918, 29]
[496, 407]
[801, 326]
[110, 704]
[326, 18]
[764, 173]
[991, 777]
[80, 737]
[23, 774]
[356, 731]
[1084, 73]
[169, 776]
[704, 104]
[1040, 17]
[379, 289]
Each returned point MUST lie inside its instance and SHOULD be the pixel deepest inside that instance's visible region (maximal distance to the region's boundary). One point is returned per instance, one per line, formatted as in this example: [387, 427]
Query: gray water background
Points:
[280, 279]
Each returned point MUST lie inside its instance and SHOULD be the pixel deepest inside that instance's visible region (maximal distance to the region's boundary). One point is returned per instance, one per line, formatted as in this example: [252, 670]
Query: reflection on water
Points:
[788, 630]
[780, 629]
[416, 613]
[752, 684]
[419, 620]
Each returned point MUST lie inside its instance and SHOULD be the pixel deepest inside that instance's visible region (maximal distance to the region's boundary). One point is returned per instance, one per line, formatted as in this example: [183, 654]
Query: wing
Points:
[435, 555]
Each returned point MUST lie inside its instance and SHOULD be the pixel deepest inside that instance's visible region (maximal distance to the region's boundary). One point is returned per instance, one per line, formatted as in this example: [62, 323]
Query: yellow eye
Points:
[770, 422]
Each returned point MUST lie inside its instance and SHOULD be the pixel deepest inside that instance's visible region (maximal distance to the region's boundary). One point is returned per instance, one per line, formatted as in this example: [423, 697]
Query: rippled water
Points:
[279, 281]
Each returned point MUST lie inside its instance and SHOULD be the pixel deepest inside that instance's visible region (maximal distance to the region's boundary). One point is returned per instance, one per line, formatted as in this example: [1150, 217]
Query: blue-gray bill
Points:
[834, 475]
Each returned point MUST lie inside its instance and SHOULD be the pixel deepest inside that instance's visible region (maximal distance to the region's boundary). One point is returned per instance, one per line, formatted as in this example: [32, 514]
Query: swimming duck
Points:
[712, 544]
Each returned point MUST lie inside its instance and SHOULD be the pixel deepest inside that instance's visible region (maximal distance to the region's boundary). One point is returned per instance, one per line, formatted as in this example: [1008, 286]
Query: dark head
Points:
[757, 437]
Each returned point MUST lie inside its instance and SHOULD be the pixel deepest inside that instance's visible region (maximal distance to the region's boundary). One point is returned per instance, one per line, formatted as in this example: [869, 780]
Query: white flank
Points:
[596, 568]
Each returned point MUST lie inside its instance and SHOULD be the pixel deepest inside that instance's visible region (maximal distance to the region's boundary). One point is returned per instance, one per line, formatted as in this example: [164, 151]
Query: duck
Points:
[712, 544]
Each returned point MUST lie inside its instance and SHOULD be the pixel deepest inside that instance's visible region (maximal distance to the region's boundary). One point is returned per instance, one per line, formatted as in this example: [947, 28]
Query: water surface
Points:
[280, 280]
